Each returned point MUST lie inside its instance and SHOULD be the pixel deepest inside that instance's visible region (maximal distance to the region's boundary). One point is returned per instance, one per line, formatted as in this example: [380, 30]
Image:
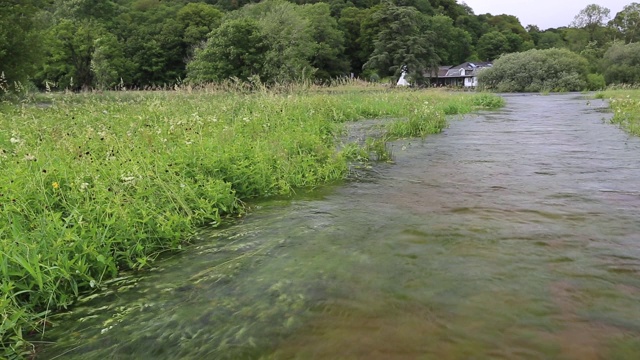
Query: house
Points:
[463, 75]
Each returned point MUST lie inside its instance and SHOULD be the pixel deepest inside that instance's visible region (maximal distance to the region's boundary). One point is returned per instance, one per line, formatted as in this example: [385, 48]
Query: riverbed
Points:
[513, 234]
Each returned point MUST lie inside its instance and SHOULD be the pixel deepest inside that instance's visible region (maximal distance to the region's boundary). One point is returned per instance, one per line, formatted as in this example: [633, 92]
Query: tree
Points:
[621, 64]
[70, 48]
[627, 22]
[197, 20]
[493, 44]
[404, 40]
[350, 24]
[550, 39]
[84, 9]
[153, 41]
[508, 24]
[108, 61]
[536, 70]
[289, 37]
[591, 18]
[328, 57]
[452, 45]
[235, 49]
[20, 40]
[476, 26]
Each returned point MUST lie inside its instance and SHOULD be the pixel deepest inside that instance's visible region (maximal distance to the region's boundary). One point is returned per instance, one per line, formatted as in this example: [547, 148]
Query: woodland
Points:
[142, 44]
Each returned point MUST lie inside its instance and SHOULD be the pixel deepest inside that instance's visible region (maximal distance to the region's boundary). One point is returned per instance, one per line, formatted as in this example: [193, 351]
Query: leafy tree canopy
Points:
[404, 40]
[20, 40]
[621, 64]
[537, 70]
[627, 22]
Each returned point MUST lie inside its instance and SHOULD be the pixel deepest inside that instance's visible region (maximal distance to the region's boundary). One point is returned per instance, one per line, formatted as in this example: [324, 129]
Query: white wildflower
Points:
[127, 179]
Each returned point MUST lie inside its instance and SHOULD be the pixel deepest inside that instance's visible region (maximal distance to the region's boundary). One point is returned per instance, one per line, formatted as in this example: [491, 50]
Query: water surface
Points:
[513, 234]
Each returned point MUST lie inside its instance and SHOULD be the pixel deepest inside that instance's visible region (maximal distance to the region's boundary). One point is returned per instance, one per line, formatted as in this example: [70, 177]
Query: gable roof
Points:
[467, 69]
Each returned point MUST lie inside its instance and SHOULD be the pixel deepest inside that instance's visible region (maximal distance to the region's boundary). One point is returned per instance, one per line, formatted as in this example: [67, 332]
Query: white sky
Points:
[544, 13]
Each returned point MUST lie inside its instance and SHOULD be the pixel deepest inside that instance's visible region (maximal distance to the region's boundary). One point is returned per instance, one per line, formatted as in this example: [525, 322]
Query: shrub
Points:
[535, 71]
[621, 64]
[595, 81]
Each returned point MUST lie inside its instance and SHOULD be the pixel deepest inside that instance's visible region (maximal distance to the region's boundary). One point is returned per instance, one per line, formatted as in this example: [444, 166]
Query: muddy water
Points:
[514, 234]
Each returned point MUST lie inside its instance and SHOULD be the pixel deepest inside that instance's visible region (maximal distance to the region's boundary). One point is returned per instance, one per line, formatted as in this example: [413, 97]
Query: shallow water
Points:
[514, 234]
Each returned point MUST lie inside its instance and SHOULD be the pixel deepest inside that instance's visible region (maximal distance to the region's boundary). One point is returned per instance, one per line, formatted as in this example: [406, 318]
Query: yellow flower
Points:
[55, 185]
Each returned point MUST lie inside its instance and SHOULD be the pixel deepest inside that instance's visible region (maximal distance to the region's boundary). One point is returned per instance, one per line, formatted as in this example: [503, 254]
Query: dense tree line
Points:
[76, 44]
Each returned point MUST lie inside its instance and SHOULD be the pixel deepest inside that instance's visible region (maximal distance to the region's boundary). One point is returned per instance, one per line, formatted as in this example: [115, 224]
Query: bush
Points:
[595, 82]
[621, 64]
[536, 71]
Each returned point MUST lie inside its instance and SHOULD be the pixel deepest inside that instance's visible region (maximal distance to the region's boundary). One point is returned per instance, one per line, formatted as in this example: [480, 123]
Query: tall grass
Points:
[91, 184]
[625, 104]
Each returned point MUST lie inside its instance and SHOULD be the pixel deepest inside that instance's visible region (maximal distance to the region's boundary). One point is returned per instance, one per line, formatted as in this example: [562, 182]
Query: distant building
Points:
[463, 75]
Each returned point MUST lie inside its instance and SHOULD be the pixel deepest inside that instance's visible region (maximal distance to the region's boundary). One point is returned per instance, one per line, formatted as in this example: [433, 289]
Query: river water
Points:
[513, 234]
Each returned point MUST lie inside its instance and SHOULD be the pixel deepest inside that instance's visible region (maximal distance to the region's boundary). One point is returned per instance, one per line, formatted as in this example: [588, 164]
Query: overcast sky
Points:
[544, 13]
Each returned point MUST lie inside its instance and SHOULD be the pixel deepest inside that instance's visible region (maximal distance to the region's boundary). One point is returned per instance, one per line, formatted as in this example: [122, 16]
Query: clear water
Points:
[514, 234]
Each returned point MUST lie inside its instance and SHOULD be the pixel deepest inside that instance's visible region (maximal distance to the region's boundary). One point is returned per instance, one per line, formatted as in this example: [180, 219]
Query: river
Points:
[513, 234]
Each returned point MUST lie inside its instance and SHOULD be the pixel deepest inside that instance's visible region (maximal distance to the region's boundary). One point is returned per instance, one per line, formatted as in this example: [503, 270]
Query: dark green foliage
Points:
[452, 44]
[549, 39]
[235, 49]
[287, 42]
[70, 47]
[627, 22]
[85, 44]
[621, 64]
[350, 23]
[328, 58]
[537, 70]
[20, 40]
[404, 40]
[592, 18]
[596, 82]
[493, 44]
[197, 21]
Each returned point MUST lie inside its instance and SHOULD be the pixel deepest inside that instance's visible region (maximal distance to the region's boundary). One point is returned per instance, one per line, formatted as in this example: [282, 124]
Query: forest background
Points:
[127, 44]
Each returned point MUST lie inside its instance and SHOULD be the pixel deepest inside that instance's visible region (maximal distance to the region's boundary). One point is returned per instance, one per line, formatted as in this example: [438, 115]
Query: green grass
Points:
[625, 105]
[92, 184]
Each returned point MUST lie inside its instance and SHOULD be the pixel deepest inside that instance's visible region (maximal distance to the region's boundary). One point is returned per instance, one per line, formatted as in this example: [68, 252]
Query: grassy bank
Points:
[91, 184]
[626, 108]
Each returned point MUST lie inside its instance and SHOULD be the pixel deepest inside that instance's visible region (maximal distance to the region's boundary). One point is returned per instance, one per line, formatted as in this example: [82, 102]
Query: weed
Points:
[625, 105]
[95, 183]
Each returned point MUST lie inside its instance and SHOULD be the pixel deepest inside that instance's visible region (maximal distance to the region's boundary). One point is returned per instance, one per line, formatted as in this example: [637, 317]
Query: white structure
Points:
[402, 81]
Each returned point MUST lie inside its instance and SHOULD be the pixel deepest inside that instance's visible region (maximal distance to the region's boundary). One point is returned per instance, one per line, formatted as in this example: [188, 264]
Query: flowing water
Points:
[513, 234]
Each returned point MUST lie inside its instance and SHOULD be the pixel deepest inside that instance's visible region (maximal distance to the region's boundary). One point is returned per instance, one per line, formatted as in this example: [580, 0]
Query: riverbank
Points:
[626, 108]
[92, 184]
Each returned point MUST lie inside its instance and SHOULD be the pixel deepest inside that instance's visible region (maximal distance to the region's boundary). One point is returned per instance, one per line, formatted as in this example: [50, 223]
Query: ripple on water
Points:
[513, 235]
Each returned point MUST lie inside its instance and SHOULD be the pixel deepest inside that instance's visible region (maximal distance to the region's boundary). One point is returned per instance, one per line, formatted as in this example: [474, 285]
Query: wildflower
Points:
[55, 185]
[84, 186]
[14, 140]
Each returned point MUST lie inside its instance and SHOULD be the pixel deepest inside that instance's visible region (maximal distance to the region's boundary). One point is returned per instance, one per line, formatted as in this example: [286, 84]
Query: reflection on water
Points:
[513, 234]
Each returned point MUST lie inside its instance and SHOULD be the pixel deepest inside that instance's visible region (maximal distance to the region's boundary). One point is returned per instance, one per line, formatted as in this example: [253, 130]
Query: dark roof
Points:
[470, 70]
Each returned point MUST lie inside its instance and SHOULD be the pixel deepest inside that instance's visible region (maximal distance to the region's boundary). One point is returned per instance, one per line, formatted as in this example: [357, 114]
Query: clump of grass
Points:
[100, 182]
[625, 105]
[488, 101]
